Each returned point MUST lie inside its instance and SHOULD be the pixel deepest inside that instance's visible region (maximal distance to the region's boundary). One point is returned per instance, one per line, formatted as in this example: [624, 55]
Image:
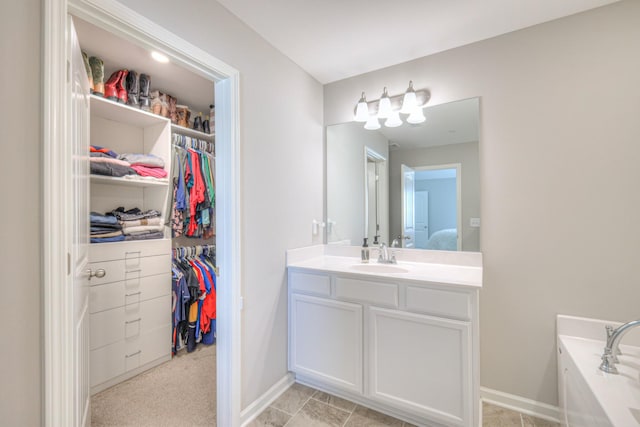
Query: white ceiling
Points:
[336, 39]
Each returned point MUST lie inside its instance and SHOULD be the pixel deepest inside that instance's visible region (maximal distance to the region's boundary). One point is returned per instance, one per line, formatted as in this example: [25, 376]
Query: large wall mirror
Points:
[416, 184]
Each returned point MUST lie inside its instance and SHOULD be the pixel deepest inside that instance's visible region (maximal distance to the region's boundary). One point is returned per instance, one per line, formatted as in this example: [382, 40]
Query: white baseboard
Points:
[260, 404]
[520, 404]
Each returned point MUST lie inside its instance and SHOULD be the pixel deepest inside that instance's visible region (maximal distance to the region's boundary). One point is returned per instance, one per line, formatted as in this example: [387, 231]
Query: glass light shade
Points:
[362, 110]
[416, 116]
[394, 120]
[372, 123]
[409, 102]
[384, 105]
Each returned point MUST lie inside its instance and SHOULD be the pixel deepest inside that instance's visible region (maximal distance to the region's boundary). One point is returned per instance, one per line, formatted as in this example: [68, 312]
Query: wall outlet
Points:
[474, 222]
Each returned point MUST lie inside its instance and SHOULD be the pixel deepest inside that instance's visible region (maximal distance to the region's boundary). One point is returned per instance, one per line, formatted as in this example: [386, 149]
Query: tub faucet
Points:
[384, 258]
[614, 336]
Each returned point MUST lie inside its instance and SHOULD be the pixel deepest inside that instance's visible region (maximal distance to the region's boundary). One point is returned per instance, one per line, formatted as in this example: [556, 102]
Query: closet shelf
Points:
[122, 113]
[192, 133]
[100, 179]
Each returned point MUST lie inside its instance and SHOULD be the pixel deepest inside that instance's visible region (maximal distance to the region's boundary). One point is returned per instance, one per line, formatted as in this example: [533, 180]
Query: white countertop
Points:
[445, 270]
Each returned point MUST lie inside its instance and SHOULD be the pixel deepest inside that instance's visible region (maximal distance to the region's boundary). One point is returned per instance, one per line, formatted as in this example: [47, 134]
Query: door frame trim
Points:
[58, 399]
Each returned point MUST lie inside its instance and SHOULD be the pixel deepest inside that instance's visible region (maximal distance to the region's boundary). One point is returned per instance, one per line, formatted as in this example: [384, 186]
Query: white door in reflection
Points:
[422, 218]
[408, 207]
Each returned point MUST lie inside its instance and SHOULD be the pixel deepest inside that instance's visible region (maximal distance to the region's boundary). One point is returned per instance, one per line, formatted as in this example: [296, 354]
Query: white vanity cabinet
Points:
[403, 347]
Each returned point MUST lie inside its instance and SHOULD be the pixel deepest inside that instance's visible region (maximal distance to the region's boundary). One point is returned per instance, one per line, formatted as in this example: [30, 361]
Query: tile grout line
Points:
[299, 409]
[334, 406]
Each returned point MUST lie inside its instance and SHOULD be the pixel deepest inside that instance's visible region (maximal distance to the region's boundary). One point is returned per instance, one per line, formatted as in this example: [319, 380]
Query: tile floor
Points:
[302, 406]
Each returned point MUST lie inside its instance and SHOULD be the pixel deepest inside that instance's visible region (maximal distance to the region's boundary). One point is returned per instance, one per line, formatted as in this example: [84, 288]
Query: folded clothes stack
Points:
[106, 162]
[139, 225]
[145, 164]
[105, 228]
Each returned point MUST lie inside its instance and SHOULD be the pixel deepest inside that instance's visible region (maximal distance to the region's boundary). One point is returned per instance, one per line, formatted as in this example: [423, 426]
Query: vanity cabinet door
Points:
[421, 364]
[326, 341]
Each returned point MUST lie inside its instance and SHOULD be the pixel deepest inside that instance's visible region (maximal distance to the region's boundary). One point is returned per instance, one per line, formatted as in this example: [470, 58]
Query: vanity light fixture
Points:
[384, 106]
[394, 119]
[362, 110]
[416, 116]
[409, 102]
[372, 123]
[389, 108]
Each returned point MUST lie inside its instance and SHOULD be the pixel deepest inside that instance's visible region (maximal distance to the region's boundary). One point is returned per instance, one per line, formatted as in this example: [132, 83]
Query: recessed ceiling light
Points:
[159, 57]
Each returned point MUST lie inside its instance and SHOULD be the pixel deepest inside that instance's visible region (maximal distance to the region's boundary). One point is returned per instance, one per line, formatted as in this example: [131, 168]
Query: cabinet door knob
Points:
[99, 273]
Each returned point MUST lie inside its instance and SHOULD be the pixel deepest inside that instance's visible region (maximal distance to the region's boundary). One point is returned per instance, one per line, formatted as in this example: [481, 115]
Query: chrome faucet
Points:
[614, 336]
[395, 243]
[383, 257]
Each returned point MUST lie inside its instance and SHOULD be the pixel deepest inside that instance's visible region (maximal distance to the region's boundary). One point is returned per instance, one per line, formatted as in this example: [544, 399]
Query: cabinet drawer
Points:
[129, 250]
[366, 291]
[129, 321]
[439, 302]
[117, 358]
[310, 283]
[131, 291]
[131, 269]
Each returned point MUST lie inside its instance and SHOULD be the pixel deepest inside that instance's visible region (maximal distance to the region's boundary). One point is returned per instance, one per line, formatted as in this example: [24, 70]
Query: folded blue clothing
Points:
[107, 239]
[105, 228]
[97, 218]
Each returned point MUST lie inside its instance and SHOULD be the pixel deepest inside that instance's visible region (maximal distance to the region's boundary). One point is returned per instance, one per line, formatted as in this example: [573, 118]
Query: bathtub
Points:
[588, 396]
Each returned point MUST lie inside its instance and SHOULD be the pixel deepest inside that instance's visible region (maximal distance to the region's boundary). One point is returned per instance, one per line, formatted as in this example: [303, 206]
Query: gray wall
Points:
[345, 181]
[20, 305]
[559, 131]
[467, 155]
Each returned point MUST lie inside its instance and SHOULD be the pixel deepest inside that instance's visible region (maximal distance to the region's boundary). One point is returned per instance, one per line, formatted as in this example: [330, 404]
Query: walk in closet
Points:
[149, 227]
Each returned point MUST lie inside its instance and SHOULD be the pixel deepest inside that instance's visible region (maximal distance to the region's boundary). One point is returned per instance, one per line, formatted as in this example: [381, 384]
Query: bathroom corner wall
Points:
[559, 178]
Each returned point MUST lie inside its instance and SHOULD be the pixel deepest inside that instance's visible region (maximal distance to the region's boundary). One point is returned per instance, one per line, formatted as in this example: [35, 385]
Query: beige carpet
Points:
[181, 392]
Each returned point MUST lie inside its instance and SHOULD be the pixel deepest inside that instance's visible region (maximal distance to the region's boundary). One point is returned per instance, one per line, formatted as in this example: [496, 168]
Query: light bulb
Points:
[416, 116]
[159, 57]
[384, 105]
[372, 123]
[362, 110]
[409, 101]
[394, 120]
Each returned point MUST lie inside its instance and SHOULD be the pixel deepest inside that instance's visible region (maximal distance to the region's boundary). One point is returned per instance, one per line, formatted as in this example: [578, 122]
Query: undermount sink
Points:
[379, 268]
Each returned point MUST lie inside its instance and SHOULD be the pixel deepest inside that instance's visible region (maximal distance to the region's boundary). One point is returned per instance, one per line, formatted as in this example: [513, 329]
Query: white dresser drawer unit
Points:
[128, 321]
[129, 250]
[111, 362]
[131, 269]
[125, 292]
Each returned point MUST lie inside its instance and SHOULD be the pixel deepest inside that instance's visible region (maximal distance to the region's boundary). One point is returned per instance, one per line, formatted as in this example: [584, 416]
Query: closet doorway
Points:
[62, 395]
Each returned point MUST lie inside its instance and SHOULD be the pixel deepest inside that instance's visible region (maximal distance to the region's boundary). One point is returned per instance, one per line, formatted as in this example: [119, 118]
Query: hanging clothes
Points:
[193, 177]
[193, 296]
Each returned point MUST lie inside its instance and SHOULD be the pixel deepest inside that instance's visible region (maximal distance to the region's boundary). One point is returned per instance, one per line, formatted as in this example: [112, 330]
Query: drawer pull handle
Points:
[99, 273]
[135, 293]
[133, 354]
[133, 321]
[133, 271]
